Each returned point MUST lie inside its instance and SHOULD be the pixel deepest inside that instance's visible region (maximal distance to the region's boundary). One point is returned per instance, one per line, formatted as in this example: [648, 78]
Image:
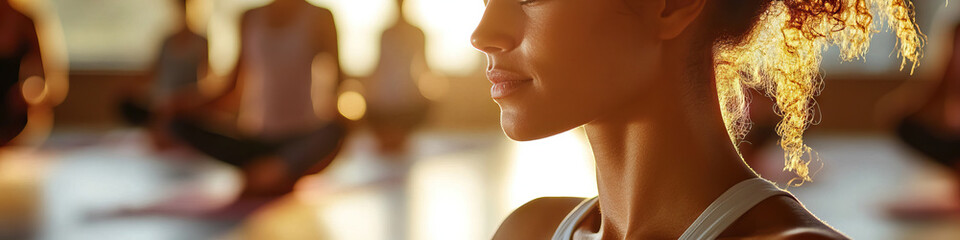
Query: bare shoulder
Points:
[321, 13]
[537, 219]
[781, 218]
[797, 234]
[812, 234]
[324, 12]
[254, 12]
[323, 20]
[249, 16]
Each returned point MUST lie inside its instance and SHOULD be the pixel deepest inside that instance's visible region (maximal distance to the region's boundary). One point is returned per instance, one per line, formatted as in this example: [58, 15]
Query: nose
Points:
[495, 34]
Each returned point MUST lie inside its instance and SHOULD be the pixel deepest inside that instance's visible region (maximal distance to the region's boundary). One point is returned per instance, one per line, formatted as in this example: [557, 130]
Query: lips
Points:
[506, 83]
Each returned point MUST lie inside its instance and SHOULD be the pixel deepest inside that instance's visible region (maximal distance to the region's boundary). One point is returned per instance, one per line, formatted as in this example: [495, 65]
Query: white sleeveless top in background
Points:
[714, 220]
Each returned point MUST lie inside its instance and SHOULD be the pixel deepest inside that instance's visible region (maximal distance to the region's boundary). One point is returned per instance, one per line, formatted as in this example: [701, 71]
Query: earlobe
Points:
[677, 15]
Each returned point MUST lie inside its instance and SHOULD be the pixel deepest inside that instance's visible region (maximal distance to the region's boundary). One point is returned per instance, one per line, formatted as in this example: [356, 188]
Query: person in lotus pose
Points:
[272, 118]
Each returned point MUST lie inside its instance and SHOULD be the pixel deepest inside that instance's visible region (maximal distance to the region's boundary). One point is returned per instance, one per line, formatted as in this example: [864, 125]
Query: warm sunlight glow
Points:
[363, 214]
[223, 35]
[34, 90]
[20, 166]
[351, 105]
[432, 86]
[448, 25]
[323, 74]
[359, 23]
[445, 198]
[198, 13]
[561, 165]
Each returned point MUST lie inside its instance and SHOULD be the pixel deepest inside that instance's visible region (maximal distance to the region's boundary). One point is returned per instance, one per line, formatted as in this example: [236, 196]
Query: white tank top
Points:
[714, 220]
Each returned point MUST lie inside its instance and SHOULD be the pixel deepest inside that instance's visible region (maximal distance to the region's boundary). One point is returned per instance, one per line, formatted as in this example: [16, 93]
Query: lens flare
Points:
[352, 105]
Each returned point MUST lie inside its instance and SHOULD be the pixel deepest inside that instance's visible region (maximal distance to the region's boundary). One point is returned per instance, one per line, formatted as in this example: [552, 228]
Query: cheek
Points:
[584, 64]
[590, 68]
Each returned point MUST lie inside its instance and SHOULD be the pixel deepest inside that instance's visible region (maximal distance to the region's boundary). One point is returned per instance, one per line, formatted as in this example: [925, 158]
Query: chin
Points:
[517, 135]
[520, 129]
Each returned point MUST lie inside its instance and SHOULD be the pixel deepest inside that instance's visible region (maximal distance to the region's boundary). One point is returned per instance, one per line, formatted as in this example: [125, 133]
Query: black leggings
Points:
[13, 113]
[301, 152]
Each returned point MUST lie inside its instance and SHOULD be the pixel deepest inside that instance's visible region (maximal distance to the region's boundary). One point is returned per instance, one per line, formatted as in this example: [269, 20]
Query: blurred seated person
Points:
[933, 129]
[21, 69]
[183, 60]
[271, 117]
[396, 105]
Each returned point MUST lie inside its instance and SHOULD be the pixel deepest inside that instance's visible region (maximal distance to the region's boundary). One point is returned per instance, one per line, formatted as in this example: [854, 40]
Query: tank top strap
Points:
[573, 219]
[730, 206]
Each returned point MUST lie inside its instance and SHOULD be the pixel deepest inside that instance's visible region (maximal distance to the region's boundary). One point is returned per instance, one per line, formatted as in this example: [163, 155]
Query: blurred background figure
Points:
[182, 61]
[31, 84]
[266, 120]
[932, 128]
[396, 106]
[21, 80]
[21, 70]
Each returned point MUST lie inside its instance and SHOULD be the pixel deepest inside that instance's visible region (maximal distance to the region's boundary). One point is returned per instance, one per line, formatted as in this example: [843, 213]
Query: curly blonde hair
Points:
[780, 56]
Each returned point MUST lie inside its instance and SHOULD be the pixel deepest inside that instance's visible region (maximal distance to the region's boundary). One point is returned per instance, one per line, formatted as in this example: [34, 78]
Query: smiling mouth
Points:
[505, 82]
[504, 89]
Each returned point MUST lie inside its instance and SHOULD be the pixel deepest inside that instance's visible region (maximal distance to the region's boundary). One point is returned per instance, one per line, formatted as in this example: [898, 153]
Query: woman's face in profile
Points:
[559, 64]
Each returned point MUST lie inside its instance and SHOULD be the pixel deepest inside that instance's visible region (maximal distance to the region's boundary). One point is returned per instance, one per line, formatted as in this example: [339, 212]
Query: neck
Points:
[182, 25]
[288, 2]
[657, 169]
[183, 30]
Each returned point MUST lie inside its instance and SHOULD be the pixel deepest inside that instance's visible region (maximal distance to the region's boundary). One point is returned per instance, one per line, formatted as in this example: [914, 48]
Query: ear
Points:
[677, 15]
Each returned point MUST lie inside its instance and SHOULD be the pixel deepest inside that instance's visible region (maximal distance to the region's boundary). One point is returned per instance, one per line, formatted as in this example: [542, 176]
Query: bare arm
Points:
[214, 90]
[329, 43]
[230, 81]
[32, 63]
[419, 63]
[31, 67]
[325, 86]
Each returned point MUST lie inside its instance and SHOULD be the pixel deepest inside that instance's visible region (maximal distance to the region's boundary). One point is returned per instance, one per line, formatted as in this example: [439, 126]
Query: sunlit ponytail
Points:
[780, 56]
